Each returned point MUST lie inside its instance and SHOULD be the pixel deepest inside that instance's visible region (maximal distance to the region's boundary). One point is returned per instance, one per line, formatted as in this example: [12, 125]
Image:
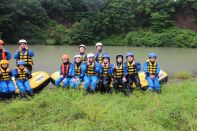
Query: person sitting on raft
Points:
[67, 72]
[118, 74]
[99, 54]
[82, 53]
[131, 69]
[152, 69]
[91, 70]
[105, 75]
[4, 54]
[22, 76]
[25, 54]
[78, 78]
[7, 87]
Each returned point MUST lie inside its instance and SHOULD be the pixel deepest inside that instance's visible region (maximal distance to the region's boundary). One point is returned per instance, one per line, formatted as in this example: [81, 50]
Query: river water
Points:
[48, 58]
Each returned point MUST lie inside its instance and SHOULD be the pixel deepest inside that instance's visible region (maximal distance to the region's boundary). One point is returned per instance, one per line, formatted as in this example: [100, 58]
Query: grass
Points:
[174, 109]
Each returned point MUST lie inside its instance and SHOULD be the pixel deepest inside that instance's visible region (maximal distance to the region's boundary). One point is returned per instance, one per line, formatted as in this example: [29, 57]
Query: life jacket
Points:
[77, 70]
[105, 69]
[131, 68]
[22, 75]
[5, 75]
[65, 69]
[3, 56]
[152, 67]
[100, 57]
[84, 58]
[26, 58]
[119, 72]
[90, 70]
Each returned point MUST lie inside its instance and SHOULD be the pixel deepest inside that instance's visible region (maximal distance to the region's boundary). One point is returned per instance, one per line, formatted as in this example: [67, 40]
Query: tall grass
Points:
[174, 109]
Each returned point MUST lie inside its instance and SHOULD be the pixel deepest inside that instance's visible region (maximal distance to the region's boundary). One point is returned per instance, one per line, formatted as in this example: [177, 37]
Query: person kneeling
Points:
[22, 76]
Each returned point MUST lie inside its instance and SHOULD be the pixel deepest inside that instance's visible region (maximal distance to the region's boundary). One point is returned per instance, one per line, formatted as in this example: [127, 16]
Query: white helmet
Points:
[22, 41]
[91, 55]
[99, 44]
[77, 56]
[82, 46]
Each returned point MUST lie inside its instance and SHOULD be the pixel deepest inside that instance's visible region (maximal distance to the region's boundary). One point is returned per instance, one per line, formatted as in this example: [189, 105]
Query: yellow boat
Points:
[163, 78]
[38, 81]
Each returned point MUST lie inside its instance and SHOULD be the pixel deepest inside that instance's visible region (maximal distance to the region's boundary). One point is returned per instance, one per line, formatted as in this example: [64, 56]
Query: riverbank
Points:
[174, 109]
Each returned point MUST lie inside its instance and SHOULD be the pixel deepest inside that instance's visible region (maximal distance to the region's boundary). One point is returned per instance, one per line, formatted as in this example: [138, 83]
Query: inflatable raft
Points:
[163, 78]
[38, 81]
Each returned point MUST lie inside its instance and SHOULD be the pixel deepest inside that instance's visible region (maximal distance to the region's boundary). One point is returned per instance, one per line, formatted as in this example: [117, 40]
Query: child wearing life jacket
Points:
[67, 72]
[4, 54]
[99, 54]
[131, 69]
[6, 82]
[22, 76]
[91, 70]
[118, 74]
[78, 78]
[25, 54]
[106, 70]
[82, 53]
[152, 69]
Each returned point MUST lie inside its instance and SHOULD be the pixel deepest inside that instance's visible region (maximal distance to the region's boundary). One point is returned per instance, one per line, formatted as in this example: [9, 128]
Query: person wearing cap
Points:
[78, 78]
[105, 75]
[152, 69]
[131, 69]
[25, 54]
[4, 54]
[22, 76]
[118, 75]
[99, 54]
[7, 87]
[91, 70]
[82, 53]
[66, 71]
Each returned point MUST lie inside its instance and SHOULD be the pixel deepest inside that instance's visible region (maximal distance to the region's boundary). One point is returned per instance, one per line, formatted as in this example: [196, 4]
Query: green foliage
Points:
[182, 75]
[174, 109]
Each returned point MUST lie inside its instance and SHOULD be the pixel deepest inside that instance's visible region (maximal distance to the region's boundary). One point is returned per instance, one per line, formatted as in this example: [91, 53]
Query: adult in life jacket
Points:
[4, 54]
[67, 72]
[82, 53]
[131, 69]
[22, 76]
[118, 75]
[25, 54]
[105, 75]
[99, 54]
[7, 87]
[152, 69]
[91, 70]
[78, 78]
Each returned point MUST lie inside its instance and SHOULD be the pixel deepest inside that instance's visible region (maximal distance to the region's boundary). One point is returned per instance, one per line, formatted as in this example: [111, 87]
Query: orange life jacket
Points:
[3, 56]
[65, 69]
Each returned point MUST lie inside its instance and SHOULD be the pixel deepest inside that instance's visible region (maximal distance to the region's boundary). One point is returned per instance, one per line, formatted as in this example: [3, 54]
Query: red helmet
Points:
[65, 56]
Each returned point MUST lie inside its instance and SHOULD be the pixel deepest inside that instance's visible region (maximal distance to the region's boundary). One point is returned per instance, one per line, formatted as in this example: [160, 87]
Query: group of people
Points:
[97, 72]
[22, 72]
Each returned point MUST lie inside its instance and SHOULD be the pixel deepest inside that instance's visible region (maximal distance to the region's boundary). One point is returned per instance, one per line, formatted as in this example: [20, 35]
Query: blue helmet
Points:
[152, 55]
[106, 55]
[119, 55]
[21, 62]
[129, 54]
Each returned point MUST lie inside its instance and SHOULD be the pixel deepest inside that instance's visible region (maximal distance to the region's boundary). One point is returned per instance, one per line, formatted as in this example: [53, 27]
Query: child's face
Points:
[98, 48]
[81, 49]
[119, 59]
[22, 45]
[130, 58]
[152, 59]
[4, 65]
[91, 59]
[1, 46]
[64, 60]
[21, 67]
[77, 60]
[105, 60]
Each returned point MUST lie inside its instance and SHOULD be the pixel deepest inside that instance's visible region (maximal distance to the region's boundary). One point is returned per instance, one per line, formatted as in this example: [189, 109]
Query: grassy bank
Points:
[174, 109]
